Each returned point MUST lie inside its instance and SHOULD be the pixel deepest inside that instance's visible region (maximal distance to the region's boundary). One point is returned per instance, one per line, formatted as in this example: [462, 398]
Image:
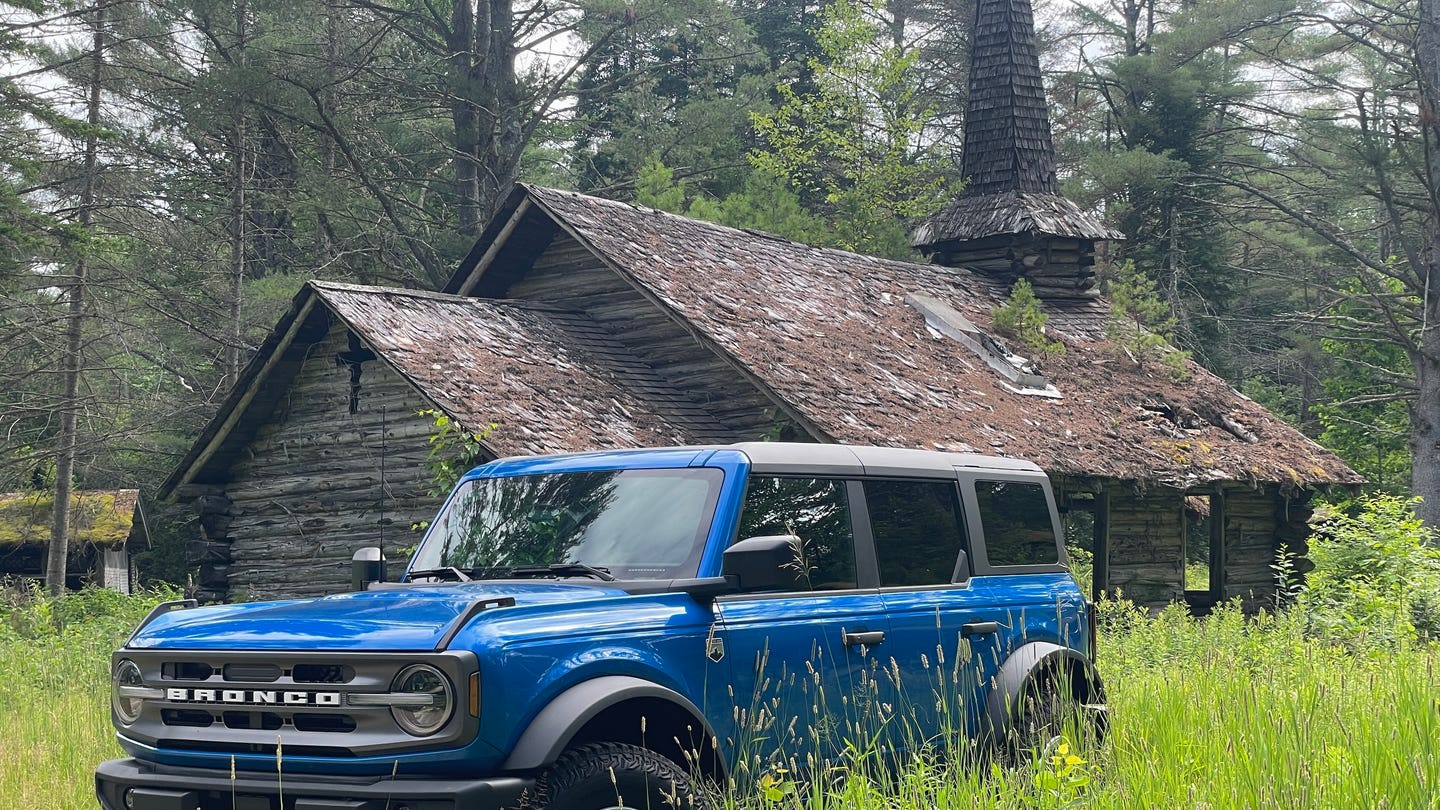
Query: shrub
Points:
[1376, 582]
[27, 613]
[1140, 323]
[1022, 318]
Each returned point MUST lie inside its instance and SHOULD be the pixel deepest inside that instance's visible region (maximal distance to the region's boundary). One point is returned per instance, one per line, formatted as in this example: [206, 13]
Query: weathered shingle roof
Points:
[1011, 212]
[547, 379]
[1007, 126]
[831, 333]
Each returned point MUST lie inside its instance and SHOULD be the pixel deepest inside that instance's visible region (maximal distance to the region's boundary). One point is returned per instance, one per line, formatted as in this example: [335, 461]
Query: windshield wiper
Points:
[448, 572]
[562, 570]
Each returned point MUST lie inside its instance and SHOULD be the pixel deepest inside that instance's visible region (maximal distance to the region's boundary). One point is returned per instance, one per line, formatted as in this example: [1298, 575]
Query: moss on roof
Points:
[100, 517]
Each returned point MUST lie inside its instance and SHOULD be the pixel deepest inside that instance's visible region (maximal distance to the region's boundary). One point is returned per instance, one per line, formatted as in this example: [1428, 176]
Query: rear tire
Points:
[616, 776]
[1044, 713]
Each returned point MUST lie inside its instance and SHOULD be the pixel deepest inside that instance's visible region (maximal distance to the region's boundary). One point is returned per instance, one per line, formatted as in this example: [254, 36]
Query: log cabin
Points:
[577, 322]
[106, 526]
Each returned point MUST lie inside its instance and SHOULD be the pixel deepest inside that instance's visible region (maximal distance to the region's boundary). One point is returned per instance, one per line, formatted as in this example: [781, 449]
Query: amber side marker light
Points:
[474, 694]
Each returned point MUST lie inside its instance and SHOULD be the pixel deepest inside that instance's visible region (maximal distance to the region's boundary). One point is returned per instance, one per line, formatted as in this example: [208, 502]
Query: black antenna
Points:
[382, 482]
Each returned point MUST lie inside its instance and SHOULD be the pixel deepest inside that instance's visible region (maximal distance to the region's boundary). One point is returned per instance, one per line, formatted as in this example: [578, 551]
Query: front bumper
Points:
[158, 787]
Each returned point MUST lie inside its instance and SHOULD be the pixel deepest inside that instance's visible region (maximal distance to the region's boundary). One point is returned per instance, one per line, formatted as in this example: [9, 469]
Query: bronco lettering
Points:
[256, 697]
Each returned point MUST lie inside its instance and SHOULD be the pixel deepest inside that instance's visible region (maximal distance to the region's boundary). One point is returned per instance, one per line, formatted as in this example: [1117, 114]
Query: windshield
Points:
[632, 524]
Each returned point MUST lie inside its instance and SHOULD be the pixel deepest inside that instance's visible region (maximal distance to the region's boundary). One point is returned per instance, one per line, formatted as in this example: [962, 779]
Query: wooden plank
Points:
[1218, 562]
[1101, 584]
[489, 255]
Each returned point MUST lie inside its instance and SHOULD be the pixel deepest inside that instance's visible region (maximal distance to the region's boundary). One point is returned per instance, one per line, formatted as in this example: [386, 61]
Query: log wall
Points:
[1146, 544]
[308, 490]
[1146, 548]
[1257, 523]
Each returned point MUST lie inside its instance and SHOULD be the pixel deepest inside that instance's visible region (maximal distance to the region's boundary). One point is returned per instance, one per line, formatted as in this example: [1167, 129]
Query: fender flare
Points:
[548, 735]
[1002, 703]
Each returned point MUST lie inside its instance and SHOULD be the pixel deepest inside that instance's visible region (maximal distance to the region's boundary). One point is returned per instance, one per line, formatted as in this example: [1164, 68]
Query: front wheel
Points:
[616, 776]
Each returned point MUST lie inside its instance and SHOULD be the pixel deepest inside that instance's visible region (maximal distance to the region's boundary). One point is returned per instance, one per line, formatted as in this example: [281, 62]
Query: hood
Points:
[400, 619]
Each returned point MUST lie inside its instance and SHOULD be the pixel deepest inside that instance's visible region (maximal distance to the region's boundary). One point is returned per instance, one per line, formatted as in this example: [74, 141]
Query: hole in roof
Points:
[1017, 374]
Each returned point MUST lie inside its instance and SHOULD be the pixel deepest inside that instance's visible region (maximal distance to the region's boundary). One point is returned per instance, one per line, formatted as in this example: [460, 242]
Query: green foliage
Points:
[762, 204]
[454, 451]
[54, 690]
[1082, 566]
[1376, 583]
[1140, 321]
[1366, 420]
[677, 81]
[656, 187]
[1021, 318]
[1062, 776]
[854, 142]
[1161, 95]
[27, 613]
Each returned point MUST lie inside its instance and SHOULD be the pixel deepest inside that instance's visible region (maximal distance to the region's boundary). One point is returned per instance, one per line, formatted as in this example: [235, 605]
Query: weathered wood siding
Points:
[1146, 545]
[568, 275]
[318, 482]
[1257, 524]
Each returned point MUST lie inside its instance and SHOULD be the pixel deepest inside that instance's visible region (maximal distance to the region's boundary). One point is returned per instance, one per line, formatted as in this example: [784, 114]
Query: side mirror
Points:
[367, 566]
[769, 563]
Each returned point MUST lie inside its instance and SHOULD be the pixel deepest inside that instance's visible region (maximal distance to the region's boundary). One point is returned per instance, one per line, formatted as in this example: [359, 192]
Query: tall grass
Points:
[54, 692]
[1221, 712]
[1227, 711]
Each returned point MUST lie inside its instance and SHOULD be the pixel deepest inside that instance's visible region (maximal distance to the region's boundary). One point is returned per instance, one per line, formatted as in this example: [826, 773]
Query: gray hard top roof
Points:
[848, 459]
[807, 458]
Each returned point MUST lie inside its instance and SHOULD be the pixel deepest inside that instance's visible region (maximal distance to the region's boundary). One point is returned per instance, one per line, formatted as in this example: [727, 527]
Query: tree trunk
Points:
[233, 352]
[502, 137]
[1425, 410]
[70, 365]
[465, 60]
[1425, 430]
[325, 248]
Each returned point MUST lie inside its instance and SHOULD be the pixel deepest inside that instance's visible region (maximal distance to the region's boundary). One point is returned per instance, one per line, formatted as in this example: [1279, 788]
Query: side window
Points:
[814, 509]
[917, 528]
[1016, 521]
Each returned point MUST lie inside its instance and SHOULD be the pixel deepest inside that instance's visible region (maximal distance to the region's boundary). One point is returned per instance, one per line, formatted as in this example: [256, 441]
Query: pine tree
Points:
[854, 146]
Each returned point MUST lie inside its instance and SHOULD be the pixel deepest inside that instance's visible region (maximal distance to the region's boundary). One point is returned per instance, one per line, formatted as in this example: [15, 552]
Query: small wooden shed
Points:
[105, 526]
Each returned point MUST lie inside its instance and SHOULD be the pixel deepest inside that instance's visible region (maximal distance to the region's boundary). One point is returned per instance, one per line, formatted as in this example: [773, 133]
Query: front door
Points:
[803, 664]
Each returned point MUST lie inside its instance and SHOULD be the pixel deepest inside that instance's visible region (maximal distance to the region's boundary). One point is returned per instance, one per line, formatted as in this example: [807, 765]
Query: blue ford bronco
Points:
[625, 629]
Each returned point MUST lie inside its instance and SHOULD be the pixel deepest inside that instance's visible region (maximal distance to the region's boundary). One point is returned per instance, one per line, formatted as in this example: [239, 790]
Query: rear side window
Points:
[917, 529]
[1016, 521]
[817, 511]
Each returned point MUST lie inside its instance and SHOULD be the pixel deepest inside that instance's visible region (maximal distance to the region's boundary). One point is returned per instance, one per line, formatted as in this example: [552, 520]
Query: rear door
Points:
[1019, 561]
[942, 636]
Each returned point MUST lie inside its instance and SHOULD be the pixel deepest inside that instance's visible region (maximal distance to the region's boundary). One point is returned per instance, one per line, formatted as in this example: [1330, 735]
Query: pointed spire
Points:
[1010, 220]
[1007, 125]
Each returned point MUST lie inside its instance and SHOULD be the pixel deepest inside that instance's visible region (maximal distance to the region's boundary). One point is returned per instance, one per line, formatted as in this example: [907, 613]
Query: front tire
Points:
[616, 776]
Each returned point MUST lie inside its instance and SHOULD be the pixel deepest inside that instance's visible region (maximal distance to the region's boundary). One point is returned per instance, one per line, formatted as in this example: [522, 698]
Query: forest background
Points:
[171, 171]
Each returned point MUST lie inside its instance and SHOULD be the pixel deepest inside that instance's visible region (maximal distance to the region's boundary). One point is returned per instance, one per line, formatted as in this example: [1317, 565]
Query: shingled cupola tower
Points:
[1010, 221]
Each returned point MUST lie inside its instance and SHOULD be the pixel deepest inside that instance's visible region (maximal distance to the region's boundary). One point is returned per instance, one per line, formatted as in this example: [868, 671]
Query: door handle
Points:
[978, 628]
[868, 637]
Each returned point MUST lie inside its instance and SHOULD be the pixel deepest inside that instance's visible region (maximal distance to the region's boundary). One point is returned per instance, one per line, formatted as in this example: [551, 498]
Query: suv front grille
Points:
[245, 702]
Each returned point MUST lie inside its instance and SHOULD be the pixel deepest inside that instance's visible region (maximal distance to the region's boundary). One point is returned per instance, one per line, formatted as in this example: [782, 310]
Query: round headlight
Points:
[126, 676]
[427, 716]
